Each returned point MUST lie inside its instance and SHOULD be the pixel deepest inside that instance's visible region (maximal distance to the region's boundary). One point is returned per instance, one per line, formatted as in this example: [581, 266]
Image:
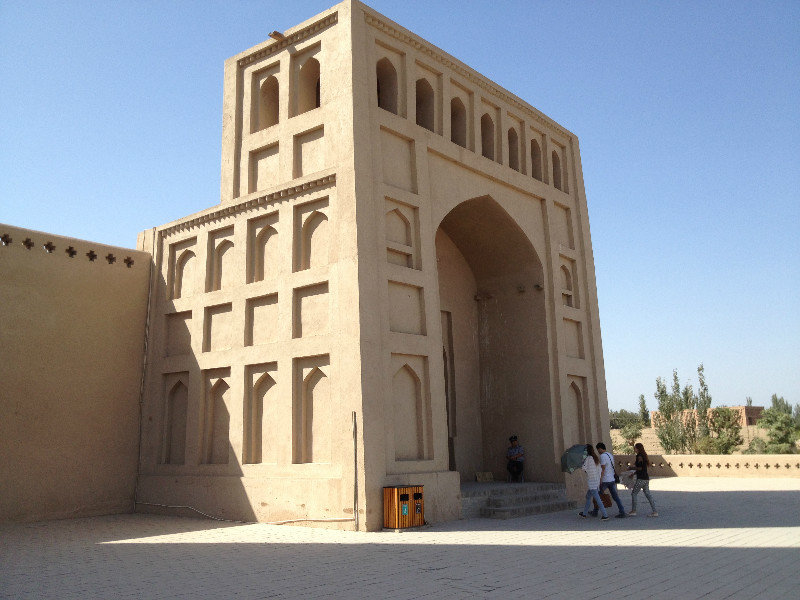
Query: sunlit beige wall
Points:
[71, 347]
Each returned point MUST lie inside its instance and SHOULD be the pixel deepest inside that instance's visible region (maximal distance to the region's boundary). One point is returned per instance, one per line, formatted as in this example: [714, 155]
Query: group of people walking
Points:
[602, 476]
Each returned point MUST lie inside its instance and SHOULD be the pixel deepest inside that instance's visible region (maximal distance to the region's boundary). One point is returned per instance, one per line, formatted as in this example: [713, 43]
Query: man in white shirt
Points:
[607, 478]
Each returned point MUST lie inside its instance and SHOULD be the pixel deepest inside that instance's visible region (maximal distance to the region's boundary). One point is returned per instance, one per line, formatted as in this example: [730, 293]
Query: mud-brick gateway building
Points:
[399, 275]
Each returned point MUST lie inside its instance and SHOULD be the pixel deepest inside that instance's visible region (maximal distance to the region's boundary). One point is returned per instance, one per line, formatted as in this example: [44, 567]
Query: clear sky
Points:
[687, 114]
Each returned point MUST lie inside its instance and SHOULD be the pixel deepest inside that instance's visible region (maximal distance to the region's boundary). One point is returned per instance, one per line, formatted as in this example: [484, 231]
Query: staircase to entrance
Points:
[496, 500]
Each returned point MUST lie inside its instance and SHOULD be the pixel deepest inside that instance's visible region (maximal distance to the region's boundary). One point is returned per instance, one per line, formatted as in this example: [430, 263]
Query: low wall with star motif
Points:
[716, 465]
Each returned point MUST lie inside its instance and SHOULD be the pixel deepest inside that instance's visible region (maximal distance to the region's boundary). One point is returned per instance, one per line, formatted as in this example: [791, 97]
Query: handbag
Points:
[606, 498]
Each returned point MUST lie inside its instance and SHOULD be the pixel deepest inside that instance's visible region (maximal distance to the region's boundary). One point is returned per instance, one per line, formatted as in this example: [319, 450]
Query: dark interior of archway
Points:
[495, 341]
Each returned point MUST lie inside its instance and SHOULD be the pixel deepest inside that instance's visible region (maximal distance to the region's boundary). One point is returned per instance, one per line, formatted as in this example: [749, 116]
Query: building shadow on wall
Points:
[195, 403]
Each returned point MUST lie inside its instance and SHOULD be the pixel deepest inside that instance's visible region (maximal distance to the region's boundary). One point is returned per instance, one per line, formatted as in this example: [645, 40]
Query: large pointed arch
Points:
[501, 364]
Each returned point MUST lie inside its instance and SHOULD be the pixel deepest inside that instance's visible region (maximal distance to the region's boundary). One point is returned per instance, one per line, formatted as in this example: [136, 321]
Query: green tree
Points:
[630, 433]
[781, 430]
[669, 423]
[644, 414]
[703, 403]
[682, 422]
[725, 430]
[748, 401]
[619, 418]
[781, 405]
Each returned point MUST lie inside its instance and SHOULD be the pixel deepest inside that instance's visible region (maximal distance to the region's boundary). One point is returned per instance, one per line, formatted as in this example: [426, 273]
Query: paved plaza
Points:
[715, 538]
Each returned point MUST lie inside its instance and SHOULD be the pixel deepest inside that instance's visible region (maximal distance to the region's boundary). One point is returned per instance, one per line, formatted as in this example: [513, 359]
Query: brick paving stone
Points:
[716, 538]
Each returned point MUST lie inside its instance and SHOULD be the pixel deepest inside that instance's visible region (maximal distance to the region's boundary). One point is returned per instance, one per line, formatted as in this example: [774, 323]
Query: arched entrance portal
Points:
[494, 342]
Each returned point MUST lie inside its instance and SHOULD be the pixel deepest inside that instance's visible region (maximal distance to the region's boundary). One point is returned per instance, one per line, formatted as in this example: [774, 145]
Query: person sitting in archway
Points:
[516, 457]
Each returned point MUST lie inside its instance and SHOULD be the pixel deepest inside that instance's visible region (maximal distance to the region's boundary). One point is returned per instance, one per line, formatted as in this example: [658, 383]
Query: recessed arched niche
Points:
[312, 243]
[263, 252]
[261, 414]
[572, 414]
[566, 285]
[487, 136]
[184, 274]
[216, 422]
[181, 269]
[268, 103]
[313, 426]
[402, 242]
[308, 86]
[556, 162]
[221, 272]
[315, 240]
[536, 160]
[513, 149]
[175, 418]
[387, 85]
[408, 415]
[458, 122]
[568, 290]
[425, 104]
[398, 227]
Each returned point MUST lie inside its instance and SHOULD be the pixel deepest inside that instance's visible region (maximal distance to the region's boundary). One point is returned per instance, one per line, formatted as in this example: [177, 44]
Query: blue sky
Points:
[687, 114]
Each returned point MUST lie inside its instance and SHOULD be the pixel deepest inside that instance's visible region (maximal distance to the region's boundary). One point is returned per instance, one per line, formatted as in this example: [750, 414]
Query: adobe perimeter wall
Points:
[71, 346]
[717, 465]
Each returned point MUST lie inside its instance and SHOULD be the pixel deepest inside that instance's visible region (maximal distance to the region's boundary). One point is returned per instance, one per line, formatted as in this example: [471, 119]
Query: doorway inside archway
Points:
[494, 342]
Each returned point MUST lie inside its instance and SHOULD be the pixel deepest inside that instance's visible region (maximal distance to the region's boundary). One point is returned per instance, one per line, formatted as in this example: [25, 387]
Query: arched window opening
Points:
[387, 85]
[513, 149]
[487, 136]
[309, 86]
[536, 160]
[268, 103]
[458, 122]
[556, 170]
[425, 104]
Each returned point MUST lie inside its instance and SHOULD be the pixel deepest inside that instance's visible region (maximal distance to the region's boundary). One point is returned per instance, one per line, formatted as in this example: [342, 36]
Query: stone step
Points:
[527, 498]
[526, 510]
[506, 489]
[509, 500]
